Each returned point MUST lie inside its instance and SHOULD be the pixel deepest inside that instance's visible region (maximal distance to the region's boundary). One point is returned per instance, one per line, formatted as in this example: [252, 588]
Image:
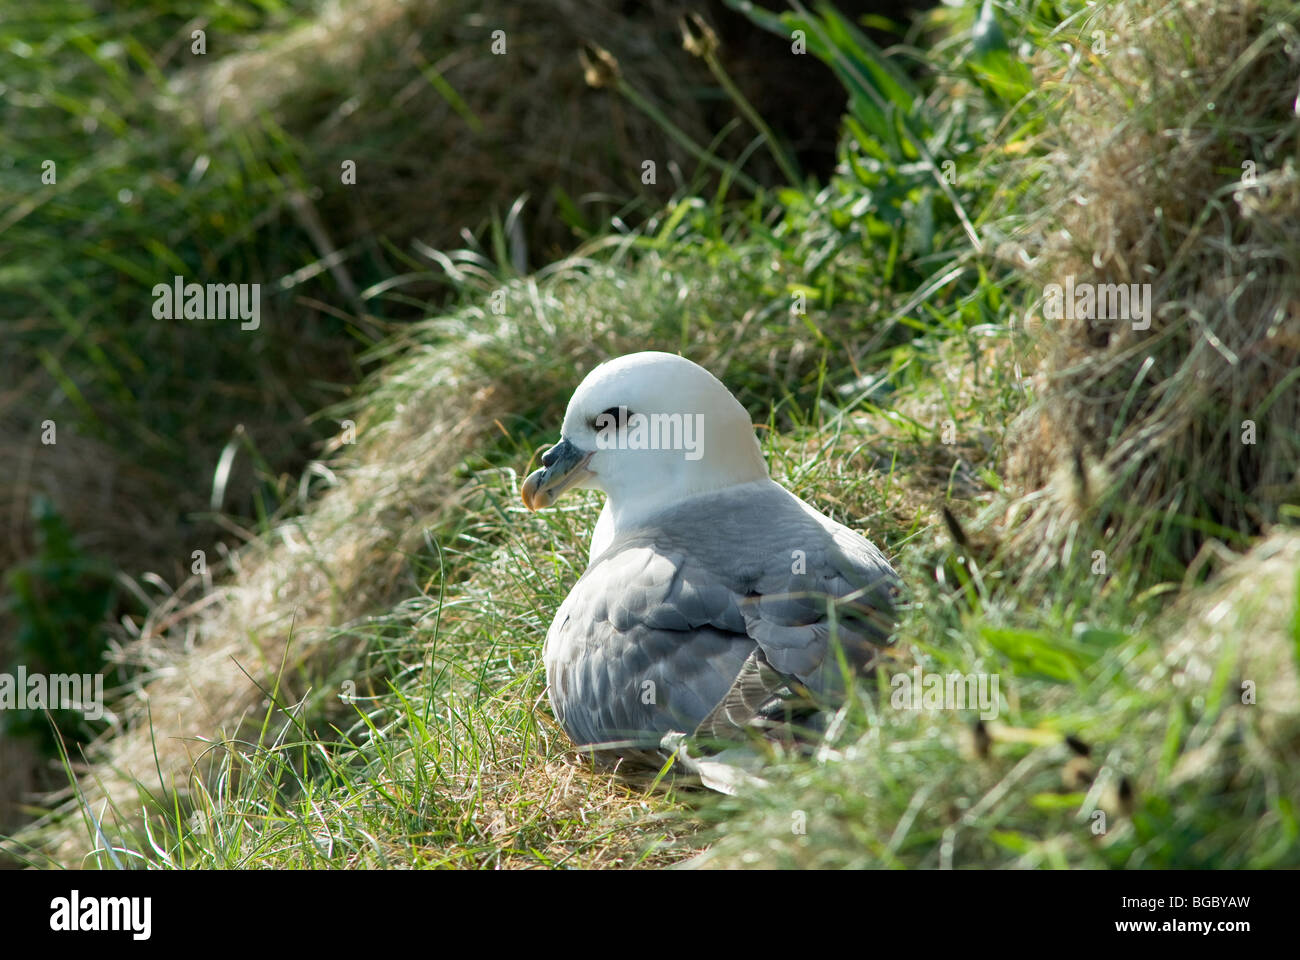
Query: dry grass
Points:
[1145, 185]
[1249, 619]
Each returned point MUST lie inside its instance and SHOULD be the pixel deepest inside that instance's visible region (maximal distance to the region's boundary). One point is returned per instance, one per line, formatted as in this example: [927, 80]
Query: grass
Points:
[228, 166]
[359, 684]
[1170, 414]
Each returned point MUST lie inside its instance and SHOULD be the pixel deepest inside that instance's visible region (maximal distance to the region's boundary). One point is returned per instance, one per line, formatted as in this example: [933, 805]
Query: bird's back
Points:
[662, 623]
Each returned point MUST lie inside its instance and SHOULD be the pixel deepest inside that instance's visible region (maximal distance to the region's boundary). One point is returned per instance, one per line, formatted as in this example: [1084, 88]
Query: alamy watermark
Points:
[654, 431]
[179, 300]
[917, 690]
[1098, 301]
[75, 913]
[54, 691]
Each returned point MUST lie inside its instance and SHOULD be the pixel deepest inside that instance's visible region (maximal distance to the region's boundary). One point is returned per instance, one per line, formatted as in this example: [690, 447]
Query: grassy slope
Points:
[414, 581]
[226, 166]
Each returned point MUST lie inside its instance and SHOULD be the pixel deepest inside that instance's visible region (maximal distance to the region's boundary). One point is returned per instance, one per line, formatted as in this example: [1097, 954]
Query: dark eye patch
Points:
[613, 412]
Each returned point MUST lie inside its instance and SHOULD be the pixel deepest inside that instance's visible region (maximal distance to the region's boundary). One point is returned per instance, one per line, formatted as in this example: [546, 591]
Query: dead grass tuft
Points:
[1147, 432]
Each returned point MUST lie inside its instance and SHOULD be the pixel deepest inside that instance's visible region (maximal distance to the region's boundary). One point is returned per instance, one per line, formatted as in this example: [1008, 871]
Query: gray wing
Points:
[757, 694]
[713, 612]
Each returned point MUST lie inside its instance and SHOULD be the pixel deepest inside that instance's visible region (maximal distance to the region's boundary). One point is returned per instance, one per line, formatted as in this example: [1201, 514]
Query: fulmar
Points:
[714, 598]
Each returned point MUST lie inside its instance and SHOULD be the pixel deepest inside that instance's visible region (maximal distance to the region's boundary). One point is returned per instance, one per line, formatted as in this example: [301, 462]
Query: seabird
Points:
[713, 597]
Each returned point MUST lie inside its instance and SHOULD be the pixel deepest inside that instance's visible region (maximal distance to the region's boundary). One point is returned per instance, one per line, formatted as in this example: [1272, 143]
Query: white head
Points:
[649, 429]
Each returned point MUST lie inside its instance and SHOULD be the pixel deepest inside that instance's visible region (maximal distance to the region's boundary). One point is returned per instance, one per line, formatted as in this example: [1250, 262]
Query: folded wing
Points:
[711, 617]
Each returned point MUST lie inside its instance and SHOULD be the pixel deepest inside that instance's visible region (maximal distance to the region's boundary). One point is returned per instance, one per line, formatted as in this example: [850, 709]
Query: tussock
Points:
[1149, 184]
[1248, 616]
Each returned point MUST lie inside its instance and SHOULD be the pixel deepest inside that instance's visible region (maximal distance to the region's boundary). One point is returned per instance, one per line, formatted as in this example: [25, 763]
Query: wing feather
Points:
[703, 619]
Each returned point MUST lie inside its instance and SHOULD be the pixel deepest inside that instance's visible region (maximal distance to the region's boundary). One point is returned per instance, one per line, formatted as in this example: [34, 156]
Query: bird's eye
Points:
[610, 417]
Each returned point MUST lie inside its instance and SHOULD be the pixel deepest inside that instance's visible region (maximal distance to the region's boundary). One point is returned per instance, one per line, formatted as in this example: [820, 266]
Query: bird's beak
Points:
[562, 466]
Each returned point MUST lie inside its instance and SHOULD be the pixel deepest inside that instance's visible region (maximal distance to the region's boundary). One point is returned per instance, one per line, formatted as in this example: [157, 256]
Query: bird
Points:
[715, 603]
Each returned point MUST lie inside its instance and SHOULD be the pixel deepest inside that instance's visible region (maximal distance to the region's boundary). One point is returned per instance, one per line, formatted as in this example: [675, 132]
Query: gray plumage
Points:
[710, 616]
